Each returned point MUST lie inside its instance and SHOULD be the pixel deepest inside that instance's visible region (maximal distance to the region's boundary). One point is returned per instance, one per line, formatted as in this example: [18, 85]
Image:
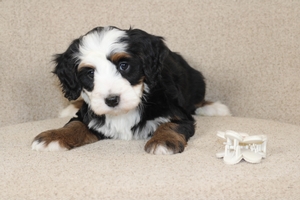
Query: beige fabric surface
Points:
[115, 169]
[247, 50]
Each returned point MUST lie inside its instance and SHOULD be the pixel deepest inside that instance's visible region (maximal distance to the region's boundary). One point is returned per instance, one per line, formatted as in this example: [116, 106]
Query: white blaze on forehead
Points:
[104, 42]
[94, 50]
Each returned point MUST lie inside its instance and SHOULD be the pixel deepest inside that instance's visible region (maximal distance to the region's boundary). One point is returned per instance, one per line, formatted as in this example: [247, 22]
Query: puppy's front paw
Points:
[166, 146]
[49, 141]
[73, 134]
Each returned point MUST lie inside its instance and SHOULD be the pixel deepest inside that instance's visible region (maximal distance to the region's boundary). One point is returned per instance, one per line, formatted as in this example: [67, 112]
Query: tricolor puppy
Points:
[133, 87]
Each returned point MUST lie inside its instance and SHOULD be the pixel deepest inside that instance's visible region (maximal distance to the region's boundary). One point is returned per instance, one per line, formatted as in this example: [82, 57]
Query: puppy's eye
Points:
[90, 73]
[123, 66]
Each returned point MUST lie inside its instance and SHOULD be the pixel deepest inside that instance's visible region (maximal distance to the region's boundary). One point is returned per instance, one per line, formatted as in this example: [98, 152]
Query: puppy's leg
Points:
[170, 138]
[73, 134]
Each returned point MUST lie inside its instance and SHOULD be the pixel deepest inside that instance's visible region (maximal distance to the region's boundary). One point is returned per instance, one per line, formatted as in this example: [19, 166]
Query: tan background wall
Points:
[248, 51]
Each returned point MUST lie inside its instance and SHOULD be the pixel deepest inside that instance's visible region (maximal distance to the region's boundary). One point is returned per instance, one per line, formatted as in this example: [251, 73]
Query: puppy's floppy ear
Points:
[66, 71]
[151, 49]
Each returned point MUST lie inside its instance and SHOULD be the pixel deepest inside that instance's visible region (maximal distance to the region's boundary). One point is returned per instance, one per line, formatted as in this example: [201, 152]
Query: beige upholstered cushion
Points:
[115, 169]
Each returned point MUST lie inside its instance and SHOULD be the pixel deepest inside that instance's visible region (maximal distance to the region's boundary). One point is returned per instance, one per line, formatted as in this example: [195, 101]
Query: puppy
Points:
[133, 87]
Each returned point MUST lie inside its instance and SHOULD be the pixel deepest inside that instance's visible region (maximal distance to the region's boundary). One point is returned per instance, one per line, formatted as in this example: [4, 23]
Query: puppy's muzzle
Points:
[112, 100]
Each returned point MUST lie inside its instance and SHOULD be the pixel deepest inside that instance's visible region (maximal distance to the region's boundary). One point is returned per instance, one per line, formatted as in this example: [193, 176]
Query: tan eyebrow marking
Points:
[84, 65]
[118, 56]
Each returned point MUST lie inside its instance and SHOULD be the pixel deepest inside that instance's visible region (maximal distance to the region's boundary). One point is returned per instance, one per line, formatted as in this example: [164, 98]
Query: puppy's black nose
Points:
[112, 100]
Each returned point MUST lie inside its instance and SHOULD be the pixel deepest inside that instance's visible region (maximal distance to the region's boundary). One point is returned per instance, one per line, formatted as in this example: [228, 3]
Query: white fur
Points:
[85, 96]
[146, 88]
[161, 150]
[94, 49]
[214, 109]
[103, 42]
[118, 126]
[52, 146]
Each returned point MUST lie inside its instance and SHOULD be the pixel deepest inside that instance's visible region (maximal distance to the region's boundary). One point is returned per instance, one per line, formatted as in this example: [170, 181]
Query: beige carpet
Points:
[114, 169]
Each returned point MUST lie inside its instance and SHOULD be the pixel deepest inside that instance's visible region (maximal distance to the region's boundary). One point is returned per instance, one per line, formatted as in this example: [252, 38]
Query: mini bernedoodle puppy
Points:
[133, 87]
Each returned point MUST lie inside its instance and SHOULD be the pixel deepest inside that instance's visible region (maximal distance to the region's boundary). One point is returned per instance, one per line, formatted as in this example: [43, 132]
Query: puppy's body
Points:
[133, 87]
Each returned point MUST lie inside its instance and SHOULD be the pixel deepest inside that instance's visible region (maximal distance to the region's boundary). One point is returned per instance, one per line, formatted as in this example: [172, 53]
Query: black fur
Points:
[66, 71]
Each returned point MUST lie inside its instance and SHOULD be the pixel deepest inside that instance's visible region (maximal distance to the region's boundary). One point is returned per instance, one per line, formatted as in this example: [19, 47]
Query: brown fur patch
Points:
[78, 103]
[166, 135]
[73, 134]
[85, 65]
[118, 56]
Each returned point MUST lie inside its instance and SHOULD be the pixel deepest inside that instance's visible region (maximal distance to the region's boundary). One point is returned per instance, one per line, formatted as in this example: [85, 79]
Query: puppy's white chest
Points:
[117, 127]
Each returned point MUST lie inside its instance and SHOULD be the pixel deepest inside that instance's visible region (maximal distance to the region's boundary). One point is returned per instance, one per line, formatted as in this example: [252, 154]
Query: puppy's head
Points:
[111, 68]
